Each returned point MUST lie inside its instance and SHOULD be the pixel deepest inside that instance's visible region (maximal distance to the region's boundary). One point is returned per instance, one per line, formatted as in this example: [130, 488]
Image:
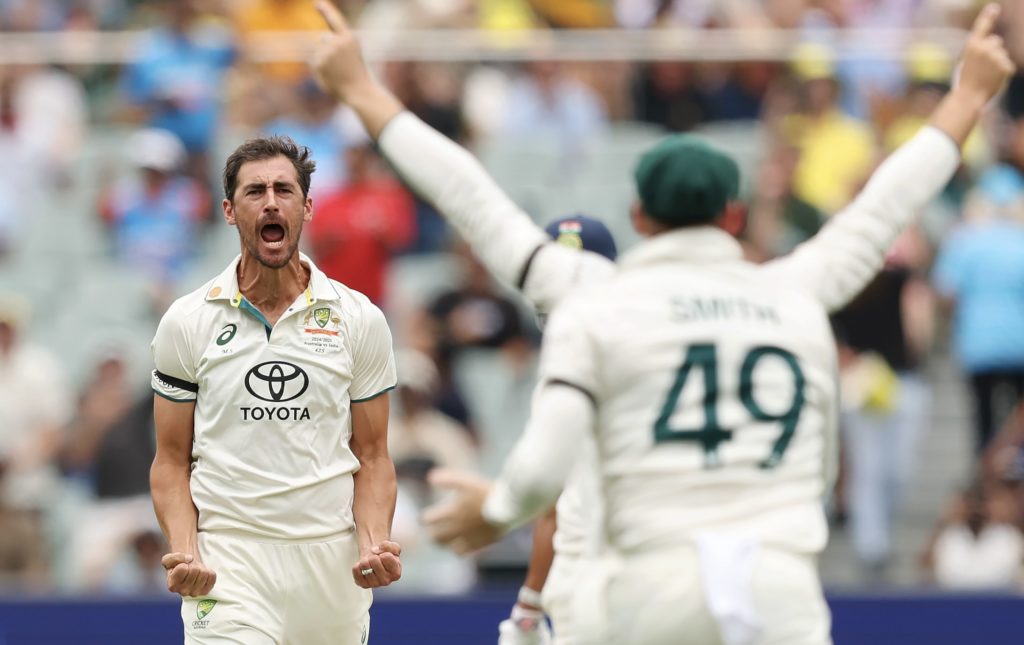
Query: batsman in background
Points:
[825, 273]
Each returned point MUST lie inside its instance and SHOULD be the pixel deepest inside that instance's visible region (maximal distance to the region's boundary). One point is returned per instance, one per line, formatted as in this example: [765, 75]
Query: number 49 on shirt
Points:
[705, 358]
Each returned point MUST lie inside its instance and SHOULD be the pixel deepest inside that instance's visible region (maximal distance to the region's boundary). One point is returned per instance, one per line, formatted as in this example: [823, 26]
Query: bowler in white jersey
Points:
[272, 481]
[831, 269]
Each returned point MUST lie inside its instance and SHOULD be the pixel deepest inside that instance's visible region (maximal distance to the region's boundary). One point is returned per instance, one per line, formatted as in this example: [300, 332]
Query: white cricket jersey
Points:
[830, 269]
[715, 394]
[271, 456]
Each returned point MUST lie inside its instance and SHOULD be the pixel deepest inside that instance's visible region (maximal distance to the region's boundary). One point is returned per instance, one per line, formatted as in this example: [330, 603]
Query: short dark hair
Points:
[267, 148]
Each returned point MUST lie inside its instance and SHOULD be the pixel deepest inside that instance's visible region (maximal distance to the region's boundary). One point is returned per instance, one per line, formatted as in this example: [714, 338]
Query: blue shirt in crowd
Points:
[981, 266]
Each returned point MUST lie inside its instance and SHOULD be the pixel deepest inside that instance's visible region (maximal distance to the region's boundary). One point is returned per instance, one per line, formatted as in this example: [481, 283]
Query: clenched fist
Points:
[187, 575]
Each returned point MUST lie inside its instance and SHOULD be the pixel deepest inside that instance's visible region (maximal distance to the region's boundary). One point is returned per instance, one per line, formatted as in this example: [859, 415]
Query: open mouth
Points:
[272, 233]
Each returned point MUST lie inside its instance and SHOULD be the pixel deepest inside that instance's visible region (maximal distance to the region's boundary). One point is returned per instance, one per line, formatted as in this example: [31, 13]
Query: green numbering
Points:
[711, 434]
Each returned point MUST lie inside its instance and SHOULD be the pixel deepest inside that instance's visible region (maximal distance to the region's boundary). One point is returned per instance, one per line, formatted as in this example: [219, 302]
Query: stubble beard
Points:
[252, 245]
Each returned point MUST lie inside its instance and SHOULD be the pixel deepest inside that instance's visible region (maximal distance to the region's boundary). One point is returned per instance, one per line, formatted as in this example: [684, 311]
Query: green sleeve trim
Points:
[171, 398]
[374, 396]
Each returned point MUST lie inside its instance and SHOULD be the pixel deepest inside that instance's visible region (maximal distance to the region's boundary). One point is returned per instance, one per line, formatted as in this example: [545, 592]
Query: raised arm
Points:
[441, 172]
[838, 263]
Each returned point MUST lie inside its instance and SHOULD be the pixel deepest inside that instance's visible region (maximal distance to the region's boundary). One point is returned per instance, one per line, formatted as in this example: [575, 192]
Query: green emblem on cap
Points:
[322, 316]
[204, 608]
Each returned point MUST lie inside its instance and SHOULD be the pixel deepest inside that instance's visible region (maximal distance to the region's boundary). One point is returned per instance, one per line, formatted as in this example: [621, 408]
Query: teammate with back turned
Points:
[824, 273]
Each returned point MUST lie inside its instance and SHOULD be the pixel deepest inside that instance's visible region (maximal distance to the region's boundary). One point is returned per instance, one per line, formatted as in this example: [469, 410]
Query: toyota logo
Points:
[276, 381]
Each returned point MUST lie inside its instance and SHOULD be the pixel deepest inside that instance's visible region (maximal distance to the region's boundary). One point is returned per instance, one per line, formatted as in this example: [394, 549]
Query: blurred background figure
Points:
[472, 315]
[980, 275]
[545, 101]
[155, 212]
[35, 404]
[837, 151]
[357, 229]
[883, 337]
[978, 544]
[420, 437]
[175, 83]
[312, 117]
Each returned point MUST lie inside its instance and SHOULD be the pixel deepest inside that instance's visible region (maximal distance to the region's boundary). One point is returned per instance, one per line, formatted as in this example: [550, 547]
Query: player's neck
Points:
[271, 291]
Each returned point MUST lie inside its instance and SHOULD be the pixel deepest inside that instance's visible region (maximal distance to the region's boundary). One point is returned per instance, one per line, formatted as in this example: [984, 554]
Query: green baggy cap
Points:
[683, 180]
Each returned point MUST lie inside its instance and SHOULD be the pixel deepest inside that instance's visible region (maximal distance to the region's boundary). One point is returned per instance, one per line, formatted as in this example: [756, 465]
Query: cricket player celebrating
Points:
[746, 347]
[272, 480]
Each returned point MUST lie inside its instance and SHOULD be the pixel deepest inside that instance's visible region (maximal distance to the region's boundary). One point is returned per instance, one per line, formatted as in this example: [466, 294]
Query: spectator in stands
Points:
[472, 315]
[884, 335]
[356, 231]
[138, 569]
[777, 219]
[575, 14]
[421, 438]
[665, 93]
[547, 102]
[50, 119]
[154, 213]
[121, 509]
[695, 14]
[418, 430]
[261, 18]
[104, 401]
[175, 82]
[980, 273]
[312, 120]
[978, 544]
[736, 92]
[836, 151]
[36, 405]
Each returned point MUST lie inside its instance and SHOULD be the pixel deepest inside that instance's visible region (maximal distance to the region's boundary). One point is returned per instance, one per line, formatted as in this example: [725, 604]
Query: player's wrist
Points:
[970, 98]
[529, 599]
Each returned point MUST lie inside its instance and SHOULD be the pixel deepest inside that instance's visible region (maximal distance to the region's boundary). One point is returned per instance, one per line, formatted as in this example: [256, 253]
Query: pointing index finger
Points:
[985, 23]
[335, 21]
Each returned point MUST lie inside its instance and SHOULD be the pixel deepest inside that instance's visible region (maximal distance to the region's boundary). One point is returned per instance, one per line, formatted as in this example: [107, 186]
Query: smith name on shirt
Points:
[709, 309]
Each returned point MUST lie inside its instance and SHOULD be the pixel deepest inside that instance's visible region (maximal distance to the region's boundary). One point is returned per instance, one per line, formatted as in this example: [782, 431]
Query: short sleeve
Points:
[373, 370]
[174, 376]
[568, 353]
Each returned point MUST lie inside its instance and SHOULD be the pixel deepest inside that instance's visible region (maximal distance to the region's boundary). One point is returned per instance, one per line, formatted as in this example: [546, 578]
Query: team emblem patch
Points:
[204, 608]
[569, 234]
[322, 316]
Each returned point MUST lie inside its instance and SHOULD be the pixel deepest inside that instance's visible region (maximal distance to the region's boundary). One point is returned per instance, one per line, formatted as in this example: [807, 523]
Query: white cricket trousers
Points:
[557, 597]
[279, 594]
[712, 593]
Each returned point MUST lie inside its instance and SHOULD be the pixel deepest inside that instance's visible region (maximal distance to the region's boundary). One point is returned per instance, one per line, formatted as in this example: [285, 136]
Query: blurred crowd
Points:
[74, 456]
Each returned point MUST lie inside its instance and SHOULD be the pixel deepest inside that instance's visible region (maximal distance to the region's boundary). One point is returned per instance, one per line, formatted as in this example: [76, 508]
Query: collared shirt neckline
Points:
[690, 245]
[225, 285]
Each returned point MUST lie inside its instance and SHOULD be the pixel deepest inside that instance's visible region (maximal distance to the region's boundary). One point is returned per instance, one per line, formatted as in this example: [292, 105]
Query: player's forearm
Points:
[455, 183]
[542, 553]
[374, 105]
[373, 500]
[839, 261]
[172, 502]
[959, 113]
[536, 471]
